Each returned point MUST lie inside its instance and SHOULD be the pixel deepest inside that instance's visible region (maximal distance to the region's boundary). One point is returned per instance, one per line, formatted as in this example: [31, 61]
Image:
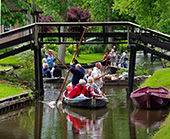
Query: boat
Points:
[111, 69]
[148, 118]
[111, 80]
[151, 98]
[97, 102]
[53, 80]
[86, 102]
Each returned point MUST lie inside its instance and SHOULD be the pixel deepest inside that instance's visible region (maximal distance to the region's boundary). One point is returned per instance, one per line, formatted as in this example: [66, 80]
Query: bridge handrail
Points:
[117, 23]
[17, 30]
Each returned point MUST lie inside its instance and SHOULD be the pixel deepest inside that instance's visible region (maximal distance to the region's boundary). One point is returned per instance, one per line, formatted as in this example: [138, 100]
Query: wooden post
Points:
[131, 67]
[38, 65]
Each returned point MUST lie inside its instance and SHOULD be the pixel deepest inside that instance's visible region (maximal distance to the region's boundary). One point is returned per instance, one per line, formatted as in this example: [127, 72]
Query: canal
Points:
[119, 120]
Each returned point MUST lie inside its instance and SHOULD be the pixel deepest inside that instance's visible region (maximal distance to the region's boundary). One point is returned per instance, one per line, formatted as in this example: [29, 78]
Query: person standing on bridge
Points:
[50, 58]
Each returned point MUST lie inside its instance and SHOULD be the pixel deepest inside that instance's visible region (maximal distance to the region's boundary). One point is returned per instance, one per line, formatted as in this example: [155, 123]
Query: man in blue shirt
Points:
[50, 59]
[78, 72]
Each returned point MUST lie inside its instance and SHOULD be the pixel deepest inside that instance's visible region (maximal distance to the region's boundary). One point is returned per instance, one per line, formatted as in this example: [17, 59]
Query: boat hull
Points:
[151, 98]
[53, 80]
[85, 102]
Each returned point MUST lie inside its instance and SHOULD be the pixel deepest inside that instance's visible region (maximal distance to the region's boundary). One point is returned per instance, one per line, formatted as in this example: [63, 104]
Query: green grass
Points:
[10, 60]
[85, 58]
[160, 77]
[6, 90]
[163, 133]
[2, 68]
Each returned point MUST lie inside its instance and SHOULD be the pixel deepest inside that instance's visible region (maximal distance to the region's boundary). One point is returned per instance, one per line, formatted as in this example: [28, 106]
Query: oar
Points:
[69, 69]
[58, 59]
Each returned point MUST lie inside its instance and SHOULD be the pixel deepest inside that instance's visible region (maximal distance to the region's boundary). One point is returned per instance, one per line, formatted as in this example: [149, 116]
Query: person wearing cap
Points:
[78, 90]
[50, 59]
[78, 72]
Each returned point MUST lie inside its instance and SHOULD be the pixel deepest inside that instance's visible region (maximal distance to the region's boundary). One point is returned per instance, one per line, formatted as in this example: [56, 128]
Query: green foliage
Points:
[12, 18]
[153, 13]
[86, 49]
[140, 69]
[26, 72]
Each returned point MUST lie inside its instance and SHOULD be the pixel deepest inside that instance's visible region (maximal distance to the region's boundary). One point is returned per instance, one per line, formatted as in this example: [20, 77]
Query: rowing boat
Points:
[147, 97]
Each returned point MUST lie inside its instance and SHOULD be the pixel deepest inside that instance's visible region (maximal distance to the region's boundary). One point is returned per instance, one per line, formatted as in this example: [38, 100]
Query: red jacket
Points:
[77, 90]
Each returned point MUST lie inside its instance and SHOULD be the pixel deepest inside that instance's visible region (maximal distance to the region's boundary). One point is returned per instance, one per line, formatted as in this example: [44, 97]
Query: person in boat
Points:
[78, 72]
[46, 71]
[50, 59]
[117, 58]
[79, 90]
[123, 60]
[89, 71]
[44, 62]
[113, 57]
[56, 71]
[92, 88]
[97, 75]
[106, 56]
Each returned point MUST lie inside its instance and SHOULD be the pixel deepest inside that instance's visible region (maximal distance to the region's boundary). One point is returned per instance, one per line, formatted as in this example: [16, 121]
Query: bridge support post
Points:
[132, 66]
[38, 66]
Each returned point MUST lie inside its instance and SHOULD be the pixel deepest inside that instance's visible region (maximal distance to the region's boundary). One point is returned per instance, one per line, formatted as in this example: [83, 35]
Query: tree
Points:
[149, 13]
[18, 15]
[42, 18]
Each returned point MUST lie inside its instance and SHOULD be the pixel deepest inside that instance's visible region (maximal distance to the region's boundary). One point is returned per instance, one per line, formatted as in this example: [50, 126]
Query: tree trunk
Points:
[63, 15]
[61, 49]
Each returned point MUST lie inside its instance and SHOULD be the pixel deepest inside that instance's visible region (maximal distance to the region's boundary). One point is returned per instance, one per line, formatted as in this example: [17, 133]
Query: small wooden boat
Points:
[54, 80]
[85, 102]
[111, 69]
[147, 97]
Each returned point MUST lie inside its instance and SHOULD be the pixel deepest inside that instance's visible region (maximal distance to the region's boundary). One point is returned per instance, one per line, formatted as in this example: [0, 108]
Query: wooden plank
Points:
[16, 51]
[16, 41]
[150, 41]
[17, 30]
[131, 67]
[78, 34]
[150, 50]
[95, 42]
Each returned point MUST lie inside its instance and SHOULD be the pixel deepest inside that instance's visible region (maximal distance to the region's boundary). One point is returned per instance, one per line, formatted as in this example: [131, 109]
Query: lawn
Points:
[10, 60]
[7, 89]
[86, 58]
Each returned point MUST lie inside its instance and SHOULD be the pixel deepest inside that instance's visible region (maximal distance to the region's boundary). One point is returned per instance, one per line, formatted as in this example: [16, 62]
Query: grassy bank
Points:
[7, 89]
[161, 77]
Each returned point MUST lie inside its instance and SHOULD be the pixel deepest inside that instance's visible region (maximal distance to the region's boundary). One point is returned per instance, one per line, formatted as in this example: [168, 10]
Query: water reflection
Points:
[85, 123]
[149, 118]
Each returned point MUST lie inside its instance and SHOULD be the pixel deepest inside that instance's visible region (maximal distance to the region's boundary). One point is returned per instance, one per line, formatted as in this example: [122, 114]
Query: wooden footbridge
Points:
[133, 35]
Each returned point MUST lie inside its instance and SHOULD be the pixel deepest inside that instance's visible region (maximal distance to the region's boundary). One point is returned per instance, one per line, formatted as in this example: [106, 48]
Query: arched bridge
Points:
[136, 37]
